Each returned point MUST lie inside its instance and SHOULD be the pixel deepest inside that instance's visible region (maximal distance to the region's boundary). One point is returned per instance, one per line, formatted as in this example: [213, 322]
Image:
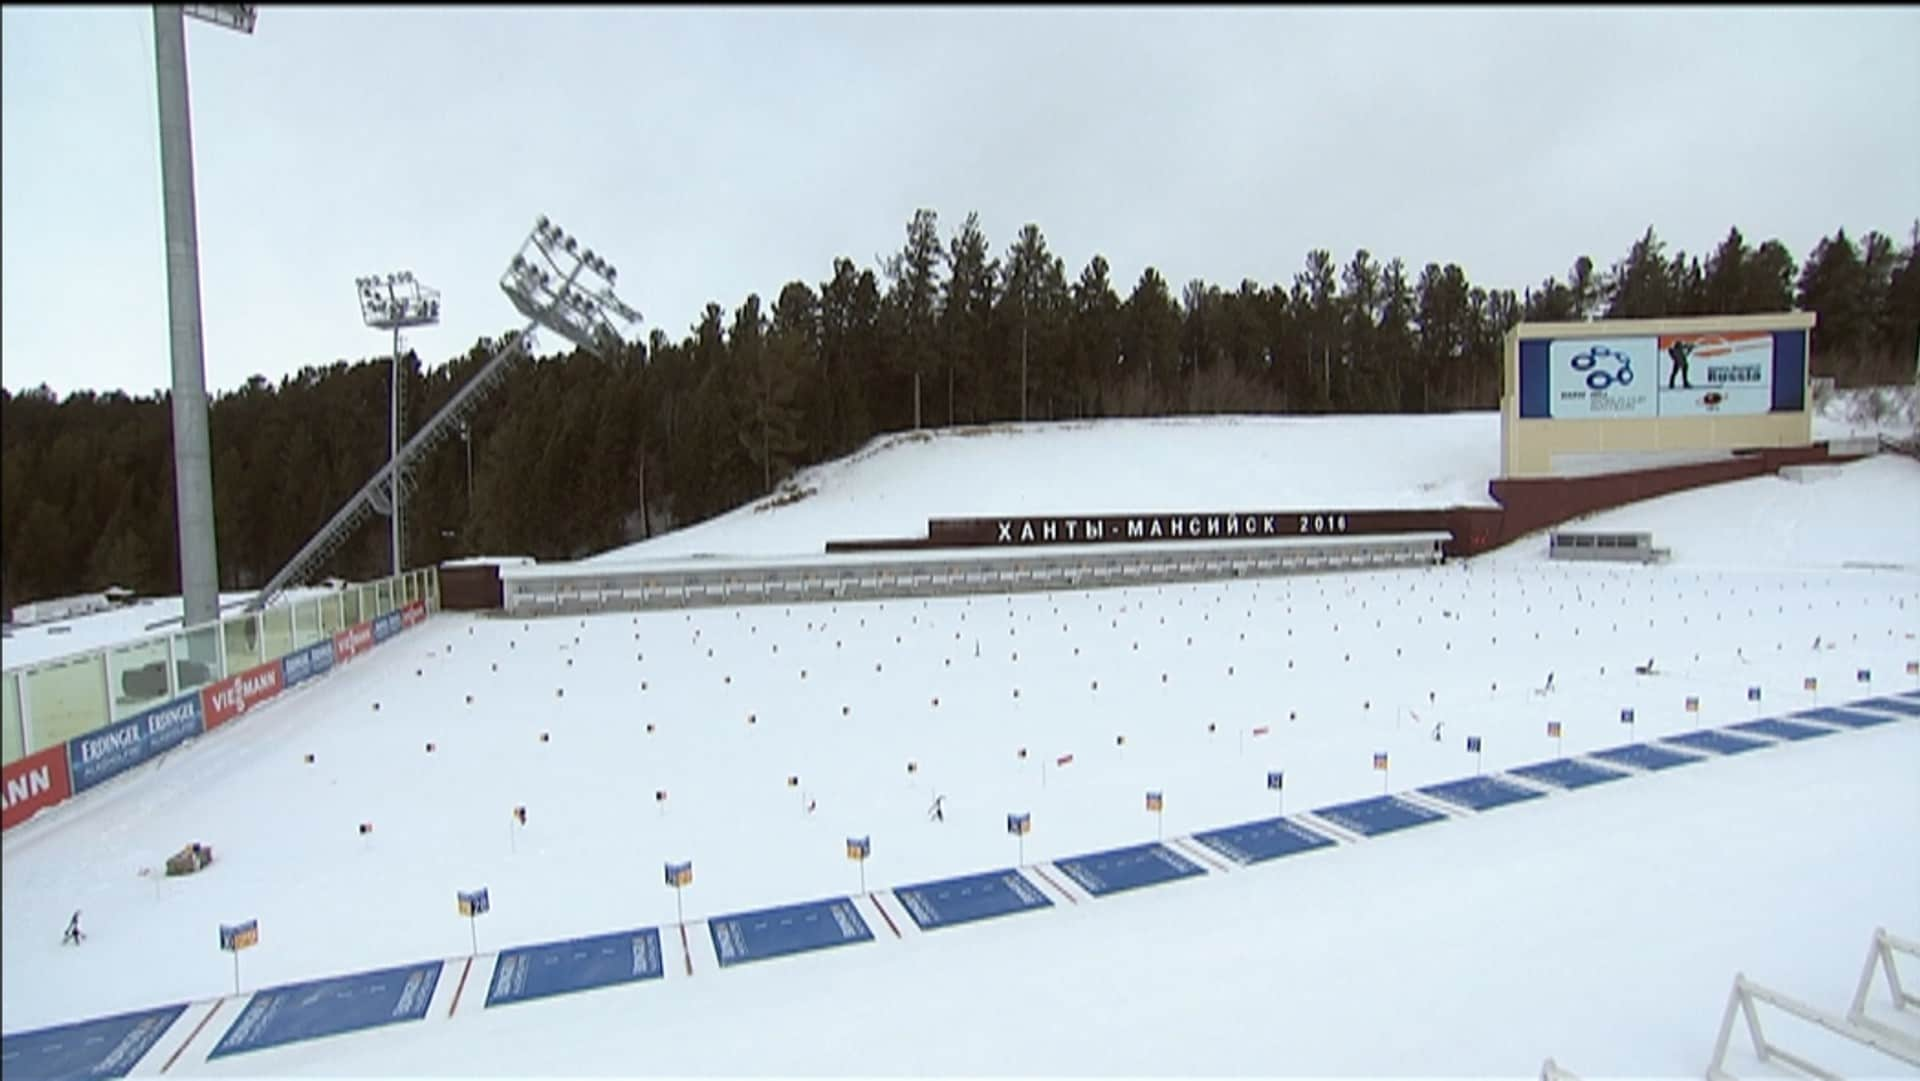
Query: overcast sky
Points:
[710, 153]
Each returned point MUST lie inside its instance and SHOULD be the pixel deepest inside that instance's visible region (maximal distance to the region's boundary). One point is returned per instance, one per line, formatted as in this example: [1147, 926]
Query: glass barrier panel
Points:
[137, 674]
[433, 589]
[67, 698]
[350, 607]
[330, 609]
[384, 590]
[306, 623]
[13, 740]
[242, 635]
[196, 658]
[276, 632]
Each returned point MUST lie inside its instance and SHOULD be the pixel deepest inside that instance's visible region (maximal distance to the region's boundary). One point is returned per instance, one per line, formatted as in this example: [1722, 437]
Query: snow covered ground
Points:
[1602, 927]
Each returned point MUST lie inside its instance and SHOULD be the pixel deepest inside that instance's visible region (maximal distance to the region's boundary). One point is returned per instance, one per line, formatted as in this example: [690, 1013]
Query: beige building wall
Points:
[1536, 447]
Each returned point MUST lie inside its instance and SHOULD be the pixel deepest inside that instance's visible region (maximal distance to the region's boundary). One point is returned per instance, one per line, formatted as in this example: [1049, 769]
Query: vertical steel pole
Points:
[192, 460]
[393, 450]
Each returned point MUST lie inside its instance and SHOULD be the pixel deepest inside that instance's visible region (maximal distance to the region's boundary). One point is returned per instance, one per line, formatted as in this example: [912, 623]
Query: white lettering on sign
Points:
[171, 718]
[95, 748]
[27, 785]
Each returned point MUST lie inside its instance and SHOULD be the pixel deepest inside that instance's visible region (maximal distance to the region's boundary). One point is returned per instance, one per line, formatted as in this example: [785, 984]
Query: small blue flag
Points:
[1019, 824]
[1626, 716]
[1473, 744]
[1753, 694]
[1275, 778]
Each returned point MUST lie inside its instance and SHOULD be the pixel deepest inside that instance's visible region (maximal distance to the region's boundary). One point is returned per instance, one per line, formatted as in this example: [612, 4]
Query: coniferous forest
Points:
[574, 453]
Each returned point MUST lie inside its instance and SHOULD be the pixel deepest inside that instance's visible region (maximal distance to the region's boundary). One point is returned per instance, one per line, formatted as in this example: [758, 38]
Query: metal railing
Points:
[540, 591]
[49, 702]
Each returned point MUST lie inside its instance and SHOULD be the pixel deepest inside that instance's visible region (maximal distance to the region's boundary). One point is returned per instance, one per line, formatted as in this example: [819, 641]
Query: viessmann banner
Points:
[1669, 375]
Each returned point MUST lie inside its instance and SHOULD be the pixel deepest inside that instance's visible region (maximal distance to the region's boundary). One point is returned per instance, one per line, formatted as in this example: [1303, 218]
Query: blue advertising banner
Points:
[97, 756]
[385, 627]
[86, 1050]
[305, 664]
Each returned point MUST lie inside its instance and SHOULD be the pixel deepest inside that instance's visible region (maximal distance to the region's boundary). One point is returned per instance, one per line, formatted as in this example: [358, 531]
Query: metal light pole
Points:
[391, 303]
[192, 459]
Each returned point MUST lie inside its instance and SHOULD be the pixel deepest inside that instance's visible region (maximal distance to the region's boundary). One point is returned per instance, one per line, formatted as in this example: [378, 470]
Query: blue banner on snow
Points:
[305, 664]
[385, 627]
[557, 968]
[97, 756]
[307, 1011]
[101, 1048]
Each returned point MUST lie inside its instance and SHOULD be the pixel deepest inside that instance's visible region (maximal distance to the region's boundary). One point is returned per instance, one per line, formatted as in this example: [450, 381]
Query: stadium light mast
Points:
[192, 460]
[394, 302]
[564, 287]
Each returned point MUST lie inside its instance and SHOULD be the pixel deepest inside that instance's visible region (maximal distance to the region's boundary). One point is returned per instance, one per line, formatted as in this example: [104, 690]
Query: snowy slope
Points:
[1602, 927]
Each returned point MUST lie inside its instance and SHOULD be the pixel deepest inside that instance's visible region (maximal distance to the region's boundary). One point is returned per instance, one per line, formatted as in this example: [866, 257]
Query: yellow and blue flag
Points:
[859, 848]
[239, 936]
[1380, 761]
[1693, 704]
[680, 874]
[1153, 801]
[474, 903]
[1020, 824]
[1553, 729]
[1811, 683]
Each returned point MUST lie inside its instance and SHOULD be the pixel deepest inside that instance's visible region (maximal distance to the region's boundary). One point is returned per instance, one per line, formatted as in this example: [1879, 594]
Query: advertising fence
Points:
[70, 728]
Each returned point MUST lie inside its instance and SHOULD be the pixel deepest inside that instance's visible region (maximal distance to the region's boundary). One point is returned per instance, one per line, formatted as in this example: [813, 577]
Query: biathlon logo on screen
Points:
[1661, 376]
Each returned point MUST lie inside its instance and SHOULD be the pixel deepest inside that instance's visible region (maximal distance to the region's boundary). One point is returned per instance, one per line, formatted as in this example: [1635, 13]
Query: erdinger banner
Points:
[412, 613]
[304, 664]
[352, 642]
[33, 783]
[107, 752]
[234, 695]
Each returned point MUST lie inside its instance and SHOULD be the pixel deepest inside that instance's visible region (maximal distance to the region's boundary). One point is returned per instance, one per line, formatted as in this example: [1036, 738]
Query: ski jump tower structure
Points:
[558, 285]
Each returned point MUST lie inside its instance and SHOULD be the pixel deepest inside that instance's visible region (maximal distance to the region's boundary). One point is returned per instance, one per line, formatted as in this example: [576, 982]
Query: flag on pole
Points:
[1811, 683]
[1913, 668]
[1275, 779]
[859, 848]
[1553, 729]
[1626, 716]
[1693, 704]
[1153, 801]
[793, 781]
[1753, 694]
[680, 874]
[1380, 760]
[474, 903]
[1864, 675]
[1473, 744]
[238, 936]
[1019, 824]
[1063, 760]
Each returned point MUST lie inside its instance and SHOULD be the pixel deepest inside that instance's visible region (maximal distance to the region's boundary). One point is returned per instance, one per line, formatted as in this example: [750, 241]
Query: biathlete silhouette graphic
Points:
[1680, 351]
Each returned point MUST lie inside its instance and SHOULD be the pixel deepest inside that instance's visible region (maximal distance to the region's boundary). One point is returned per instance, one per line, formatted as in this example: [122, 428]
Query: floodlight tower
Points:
[578, 307]
[192, 468]
[392, 303]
